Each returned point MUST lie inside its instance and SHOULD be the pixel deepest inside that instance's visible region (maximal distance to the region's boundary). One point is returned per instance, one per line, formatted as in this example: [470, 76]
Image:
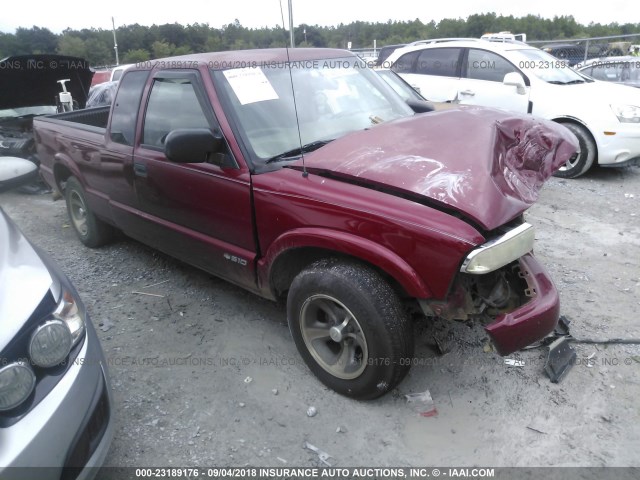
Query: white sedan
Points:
[516, 77]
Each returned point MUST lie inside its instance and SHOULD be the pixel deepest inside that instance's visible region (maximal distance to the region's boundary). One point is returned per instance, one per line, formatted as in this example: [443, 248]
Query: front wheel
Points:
[584, 157]
[350, 328]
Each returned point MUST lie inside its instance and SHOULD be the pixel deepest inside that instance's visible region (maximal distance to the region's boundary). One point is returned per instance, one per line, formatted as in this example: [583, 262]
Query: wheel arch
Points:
[294, 251]
[576, 121]
[63, 168]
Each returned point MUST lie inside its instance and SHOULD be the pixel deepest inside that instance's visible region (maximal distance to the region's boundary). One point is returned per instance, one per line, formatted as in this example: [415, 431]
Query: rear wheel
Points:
[91, 231]
[350, 328]
[584, 158]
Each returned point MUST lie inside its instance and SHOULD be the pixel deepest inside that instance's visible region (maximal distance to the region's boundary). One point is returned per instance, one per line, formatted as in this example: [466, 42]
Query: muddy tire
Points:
[350, 328]
[582, 161]
[91, 231]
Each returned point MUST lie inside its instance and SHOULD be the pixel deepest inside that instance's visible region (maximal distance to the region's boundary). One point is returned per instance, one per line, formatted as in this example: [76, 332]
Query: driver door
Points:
[198, 212]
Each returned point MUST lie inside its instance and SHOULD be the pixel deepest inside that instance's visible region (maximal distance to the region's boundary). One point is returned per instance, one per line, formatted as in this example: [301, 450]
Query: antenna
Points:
[293, 92]
[115, 42]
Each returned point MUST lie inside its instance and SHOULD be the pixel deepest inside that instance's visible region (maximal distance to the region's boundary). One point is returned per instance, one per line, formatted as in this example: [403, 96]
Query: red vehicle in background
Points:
[100, 76]
[301, 175]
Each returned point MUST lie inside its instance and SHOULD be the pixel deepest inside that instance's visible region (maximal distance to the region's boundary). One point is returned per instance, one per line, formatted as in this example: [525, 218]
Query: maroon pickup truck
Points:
[303, 176]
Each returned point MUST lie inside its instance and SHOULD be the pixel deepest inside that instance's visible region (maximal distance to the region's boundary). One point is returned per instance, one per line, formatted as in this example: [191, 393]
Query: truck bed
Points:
[91, 119]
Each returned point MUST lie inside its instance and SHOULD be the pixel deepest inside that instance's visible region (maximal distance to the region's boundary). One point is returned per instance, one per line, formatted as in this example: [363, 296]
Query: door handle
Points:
[470, 93]
[140, 169]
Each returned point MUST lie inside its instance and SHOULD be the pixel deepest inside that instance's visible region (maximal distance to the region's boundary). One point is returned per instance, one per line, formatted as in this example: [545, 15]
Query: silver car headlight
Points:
[626, 113]
[53, 340]
[16, 384]
[500, 251]
[50, 343]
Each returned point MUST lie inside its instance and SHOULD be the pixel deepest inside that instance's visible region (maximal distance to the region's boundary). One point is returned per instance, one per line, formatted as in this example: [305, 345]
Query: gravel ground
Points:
[206, 374]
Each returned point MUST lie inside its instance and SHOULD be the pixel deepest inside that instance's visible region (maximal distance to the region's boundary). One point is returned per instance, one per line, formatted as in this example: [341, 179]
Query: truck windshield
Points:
[548, 68]
[333, 98]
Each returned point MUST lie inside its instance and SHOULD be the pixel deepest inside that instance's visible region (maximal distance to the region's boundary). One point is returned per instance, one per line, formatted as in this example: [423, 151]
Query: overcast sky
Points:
[76, 14]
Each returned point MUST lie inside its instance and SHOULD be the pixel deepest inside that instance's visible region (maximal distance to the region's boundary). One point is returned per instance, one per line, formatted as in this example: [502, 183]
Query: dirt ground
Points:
[206, 374]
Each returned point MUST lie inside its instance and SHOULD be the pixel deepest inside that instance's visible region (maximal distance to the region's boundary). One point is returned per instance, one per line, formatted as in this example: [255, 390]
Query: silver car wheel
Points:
[333, 336]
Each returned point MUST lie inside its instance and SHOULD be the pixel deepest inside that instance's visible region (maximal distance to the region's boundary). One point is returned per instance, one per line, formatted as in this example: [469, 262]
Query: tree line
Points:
[139, 43]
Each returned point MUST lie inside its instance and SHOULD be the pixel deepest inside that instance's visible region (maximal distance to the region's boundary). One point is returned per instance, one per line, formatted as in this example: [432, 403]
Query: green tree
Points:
[183, 50]
[35, 40]
[8, 44]
[137, 55]
[99, 52]
[161, 49]
[72, 45]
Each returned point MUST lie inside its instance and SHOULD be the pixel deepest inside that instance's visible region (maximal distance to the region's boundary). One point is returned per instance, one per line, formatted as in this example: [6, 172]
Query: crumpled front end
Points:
[518, 302]
[485, 164]
[534, 319]
[526, 154]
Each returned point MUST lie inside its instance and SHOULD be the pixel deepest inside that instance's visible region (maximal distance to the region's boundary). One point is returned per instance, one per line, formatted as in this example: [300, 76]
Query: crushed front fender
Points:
[533, 320]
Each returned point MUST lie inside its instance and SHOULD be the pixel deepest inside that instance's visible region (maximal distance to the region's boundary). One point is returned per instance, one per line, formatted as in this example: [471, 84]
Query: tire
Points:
[350, 328]
[583, 160]
[91, 231]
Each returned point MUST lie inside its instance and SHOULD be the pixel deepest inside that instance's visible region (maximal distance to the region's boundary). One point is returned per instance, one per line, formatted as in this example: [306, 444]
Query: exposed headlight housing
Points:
[17, 381]
[69, 312]
[626, 113]
[52, 340]
[500, 251]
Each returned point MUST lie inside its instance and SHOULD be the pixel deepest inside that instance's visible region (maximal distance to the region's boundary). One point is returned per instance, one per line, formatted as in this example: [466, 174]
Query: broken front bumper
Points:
[533, 320]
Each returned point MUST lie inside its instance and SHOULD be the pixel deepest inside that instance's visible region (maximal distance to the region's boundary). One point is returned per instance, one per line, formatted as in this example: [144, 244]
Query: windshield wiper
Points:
[573, 82]
[298, 151]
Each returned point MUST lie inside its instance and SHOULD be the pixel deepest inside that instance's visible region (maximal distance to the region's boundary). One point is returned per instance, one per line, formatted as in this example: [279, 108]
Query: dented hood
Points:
[486, 164]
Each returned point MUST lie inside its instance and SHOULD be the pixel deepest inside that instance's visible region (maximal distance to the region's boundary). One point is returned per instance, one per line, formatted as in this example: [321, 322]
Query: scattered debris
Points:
[312, 411]
[274, 391]
[282, 460]
[248, 380]
[242, 404]
[148, 294]
[105, 325]
[341, 429]
[563, 326]
[443, 347]
[536, 430]
[323, 456]
[512, 362]
[423, 403]
[155, 284]
[560, 359]
[488, 348]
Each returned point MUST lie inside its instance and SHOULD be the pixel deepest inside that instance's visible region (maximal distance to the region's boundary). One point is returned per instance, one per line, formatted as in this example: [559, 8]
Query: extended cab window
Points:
[172, 104]
[125, 110]
[442, 62]
[484, 65]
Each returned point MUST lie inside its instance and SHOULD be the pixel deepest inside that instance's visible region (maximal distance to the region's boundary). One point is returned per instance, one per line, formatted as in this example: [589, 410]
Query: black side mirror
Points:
[193, 145]
[420, 106]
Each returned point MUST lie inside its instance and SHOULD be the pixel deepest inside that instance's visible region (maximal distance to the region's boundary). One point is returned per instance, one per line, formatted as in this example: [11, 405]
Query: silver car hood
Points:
[24, 279]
